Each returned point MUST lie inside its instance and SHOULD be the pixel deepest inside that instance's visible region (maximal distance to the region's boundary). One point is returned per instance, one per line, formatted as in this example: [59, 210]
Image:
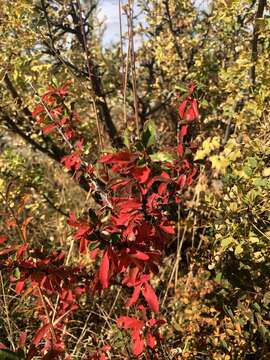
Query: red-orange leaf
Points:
[141, 174]
[135, 296]
[19, 286]
[47, 129]
[150, 296]
[138, 346]
[182, 108]
[42, 332]
[151, 342]
[22, 250]
[104, 270]
[3, 238]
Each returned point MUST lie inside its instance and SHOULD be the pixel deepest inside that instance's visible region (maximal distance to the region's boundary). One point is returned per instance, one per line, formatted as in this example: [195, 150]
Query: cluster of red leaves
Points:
[52, 113]
[143, 332]
[127, 233]
[138, 227]
[45, 275]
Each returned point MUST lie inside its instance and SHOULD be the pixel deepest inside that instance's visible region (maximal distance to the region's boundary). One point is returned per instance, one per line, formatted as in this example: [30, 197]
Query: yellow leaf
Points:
[219, 163]
[200, 154]
[266, 172]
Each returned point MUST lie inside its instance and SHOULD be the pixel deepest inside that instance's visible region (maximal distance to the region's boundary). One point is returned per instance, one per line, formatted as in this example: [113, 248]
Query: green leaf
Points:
[115, 237]
[181, 88]
[94, 245]
[228, 311]
[162, 156]
[6, 354]
[252, 195]
[266, 298]
[238, 250]
[260, 182]
[252, 162]
[247, 170]
[227, 241]
[218, 277]
[126, 138]
[224, 345]
[263, 331]
[17, 273]
[204, 103]
[256, 307]
[149, 134]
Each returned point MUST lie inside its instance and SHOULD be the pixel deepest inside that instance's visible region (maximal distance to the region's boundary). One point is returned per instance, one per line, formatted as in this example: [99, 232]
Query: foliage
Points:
[154, 240]
[129, 231]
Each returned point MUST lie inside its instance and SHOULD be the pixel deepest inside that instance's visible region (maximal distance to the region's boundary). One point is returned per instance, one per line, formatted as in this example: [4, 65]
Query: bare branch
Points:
[254, 43]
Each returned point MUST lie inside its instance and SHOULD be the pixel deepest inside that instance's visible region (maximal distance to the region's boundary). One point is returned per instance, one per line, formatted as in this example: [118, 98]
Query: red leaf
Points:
[135, 296]
[24, 226]
[22, 250]
[121, 156]
[151, 342]
[140, 255]
[106, 348]
[182, 108]
[129, 204]
[130, 279]
[40, 119]
[62, 91]
[42, 332]
[192, 110]
[8, 250]
[72, 161]
[180, 150]
[69, 134]
[162, 189]
[48, 98]
[194, 105]
[72, 220]
[120, 184]
[188, 109]
[165, 175]
[19, 286]
[83, 230]
[63, 121]
[104, 270]
[190, 176]
[56, 111]
[183, 130]
[150, 296]
[37, 110]
[141, 174]
[48, 129]
[169, 229]
[182, 180]
[138, 346]
[3, 238]
[129, 323]
[83, 245]
[22, 339]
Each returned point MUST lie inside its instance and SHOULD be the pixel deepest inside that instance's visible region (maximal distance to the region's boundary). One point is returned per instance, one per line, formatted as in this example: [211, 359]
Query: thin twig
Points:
[133, 63]
[254, 43]
[82, 333]
[90, 72]
[10, 332]
[47, 314]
